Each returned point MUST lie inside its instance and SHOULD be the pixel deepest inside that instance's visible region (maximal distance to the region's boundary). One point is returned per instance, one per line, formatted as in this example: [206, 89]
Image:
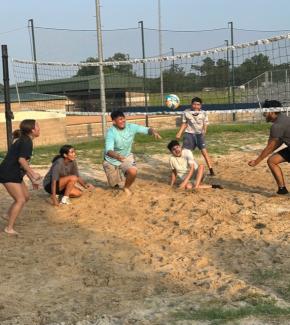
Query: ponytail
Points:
[16, 134]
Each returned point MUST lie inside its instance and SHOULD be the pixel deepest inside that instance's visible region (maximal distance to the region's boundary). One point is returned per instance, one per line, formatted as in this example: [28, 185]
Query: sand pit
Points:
[153, 258]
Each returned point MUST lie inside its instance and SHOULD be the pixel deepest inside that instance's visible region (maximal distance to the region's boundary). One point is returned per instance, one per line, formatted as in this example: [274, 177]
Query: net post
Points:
[233, 69]
[8, 113]
[101, 71]
[144, 73]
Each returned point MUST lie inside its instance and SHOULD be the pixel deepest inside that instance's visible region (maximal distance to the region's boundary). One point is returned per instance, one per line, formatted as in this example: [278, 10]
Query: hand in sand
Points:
[252, 163]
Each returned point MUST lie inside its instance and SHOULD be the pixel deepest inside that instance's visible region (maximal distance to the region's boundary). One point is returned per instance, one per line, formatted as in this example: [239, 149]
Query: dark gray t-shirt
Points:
[60, 169]
[280, 129]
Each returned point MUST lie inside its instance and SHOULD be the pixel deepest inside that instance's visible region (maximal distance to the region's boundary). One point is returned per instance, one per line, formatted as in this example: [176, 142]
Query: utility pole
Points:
[101, 71]
[31, 25]
[8, 113]
[160, 53]
[144, 72]
[172, 53]
[228, 72]
[233, 69]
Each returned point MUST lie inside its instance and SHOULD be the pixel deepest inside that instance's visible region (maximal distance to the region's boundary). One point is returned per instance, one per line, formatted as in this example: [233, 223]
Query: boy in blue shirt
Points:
[118, 146]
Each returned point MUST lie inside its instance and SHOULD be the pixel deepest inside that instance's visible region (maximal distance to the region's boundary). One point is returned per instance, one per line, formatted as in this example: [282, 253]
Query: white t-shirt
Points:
[183, 163]
[195, 120]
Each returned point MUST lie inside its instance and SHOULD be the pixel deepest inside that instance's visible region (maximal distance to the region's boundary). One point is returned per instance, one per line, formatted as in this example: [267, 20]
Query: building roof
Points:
[32, 97]
[86, 83]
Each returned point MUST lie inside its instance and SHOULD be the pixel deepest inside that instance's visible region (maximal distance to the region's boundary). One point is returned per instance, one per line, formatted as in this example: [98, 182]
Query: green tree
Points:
[125, 69]
[252, 68]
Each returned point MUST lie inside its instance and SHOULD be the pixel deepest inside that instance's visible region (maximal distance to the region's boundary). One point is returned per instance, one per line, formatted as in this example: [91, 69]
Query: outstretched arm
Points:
[181, 130]
[272, 145]
[156, 135]
[173, 177]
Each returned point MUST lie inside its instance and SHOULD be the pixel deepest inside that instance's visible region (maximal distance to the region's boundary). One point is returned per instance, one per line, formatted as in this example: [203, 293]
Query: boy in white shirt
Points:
[184, 168]
[194, 123]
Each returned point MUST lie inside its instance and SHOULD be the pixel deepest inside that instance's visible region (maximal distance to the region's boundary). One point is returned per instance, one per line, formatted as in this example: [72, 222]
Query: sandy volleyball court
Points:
[154, 258]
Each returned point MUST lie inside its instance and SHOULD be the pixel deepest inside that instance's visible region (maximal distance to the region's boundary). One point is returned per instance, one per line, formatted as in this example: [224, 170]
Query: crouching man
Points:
[118, 146]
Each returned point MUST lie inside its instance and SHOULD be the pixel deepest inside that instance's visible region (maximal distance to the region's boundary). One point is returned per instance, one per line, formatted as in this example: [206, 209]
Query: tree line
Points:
[210, 73]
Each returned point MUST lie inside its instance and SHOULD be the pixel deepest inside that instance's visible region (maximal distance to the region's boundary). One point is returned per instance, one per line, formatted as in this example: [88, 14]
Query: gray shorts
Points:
[115, 173]
[193, 140]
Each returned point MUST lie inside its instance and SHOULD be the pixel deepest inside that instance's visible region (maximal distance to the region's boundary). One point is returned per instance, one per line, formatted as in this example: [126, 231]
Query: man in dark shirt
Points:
[279, 134]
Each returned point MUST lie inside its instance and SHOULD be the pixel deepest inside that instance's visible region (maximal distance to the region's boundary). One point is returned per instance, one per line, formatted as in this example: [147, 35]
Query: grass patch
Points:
[221, 139]
[278, 280]
[219, 315]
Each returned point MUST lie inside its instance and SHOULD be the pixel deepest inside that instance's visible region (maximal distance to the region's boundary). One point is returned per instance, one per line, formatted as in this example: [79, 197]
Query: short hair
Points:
[117, 114]
[172, 144]
[272, 103]
[196, 99]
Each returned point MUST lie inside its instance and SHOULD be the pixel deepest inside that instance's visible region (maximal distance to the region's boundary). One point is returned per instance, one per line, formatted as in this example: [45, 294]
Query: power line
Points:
[13, 30]
[155, 29]
[85, 30]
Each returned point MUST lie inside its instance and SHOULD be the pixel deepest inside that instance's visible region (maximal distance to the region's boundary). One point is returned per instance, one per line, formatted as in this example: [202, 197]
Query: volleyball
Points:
[172, 101]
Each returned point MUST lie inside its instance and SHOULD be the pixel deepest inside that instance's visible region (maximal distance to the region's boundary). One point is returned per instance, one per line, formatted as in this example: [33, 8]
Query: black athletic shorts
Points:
[285, 153]
[192, 140]
[47, 188]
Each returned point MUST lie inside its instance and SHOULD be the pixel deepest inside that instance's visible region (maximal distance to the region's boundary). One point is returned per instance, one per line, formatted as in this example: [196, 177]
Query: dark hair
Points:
[64, 150]
[16, 134]
[117, 114]
[272, 103]
[196, 99]
[25, 128]
[172, 144]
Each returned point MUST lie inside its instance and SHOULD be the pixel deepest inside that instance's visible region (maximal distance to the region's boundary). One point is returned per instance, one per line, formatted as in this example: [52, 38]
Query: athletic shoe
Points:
[282, 191]
[211, 172]
[65, 200]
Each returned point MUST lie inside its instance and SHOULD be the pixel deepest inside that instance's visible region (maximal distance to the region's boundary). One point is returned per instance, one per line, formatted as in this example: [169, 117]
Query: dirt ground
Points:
[110, 259]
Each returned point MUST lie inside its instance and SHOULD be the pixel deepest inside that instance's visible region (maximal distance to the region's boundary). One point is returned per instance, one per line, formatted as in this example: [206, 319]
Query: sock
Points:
[282, 190]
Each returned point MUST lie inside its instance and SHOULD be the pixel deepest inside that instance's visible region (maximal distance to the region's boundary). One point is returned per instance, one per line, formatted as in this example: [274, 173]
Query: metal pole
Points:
[160, 53]
[8, 113]
[144, 72]
[102, 79]
[233, 69]
[228, 72]
[34, 53]
[172, 53]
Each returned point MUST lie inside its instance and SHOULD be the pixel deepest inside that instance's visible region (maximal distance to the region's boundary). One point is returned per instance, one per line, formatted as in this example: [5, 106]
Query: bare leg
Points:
[206, 157]
[17, 192]
[131, 174]
[199, 176]
[68, 183]
[273, 163]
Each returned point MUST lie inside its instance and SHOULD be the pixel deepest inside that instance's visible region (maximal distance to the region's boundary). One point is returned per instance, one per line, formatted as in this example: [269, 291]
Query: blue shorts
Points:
[193, 140]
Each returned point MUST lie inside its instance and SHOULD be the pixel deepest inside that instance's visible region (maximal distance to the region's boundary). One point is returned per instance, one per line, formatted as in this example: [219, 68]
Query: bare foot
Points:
[202, 186]
[11, 232]
[127, 191]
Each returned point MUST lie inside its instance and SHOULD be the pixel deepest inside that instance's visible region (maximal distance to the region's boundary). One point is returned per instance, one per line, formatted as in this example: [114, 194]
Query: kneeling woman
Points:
[63, 177]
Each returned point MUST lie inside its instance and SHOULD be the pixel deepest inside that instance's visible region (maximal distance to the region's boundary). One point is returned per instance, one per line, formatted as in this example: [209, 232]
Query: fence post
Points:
[8, 113]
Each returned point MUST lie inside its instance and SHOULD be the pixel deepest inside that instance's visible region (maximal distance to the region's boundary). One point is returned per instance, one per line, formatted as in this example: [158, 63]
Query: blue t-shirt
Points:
[121, 141]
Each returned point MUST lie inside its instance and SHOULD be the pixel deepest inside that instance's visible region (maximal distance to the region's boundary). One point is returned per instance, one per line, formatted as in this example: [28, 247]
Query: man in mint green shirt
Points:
[118, 145]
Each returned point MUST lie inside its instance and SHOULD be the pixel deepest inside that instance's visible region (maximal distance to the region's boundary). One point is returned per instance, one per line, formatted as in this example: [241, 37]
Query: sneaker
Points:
[65, 200]
[282, 191]
[211, 172]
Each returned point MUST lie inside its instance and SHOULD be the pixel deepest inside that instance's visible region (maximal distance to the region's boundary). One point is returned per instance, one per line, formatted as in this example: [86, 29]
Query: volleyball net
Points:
[228, 79]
